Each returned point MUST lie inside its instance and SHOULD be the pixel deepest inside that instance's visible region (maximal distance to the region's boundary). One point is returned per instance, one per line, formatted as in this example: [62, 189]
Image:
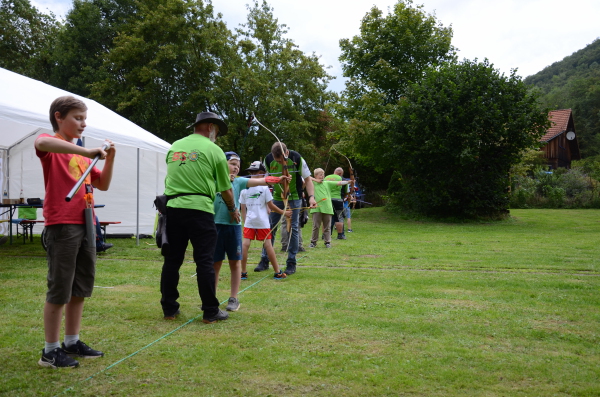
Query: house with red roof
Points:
[561, 140]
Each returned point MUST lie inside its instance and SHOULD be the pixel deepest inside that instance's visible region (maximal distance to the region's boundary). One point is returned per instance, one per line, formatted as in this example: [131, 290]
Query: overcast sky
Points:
[524, 34]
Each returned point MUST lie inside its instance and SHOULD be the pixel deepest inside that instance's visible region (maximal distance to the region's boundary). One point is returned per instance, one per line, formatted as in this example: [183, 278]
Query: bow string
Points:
[285, 189]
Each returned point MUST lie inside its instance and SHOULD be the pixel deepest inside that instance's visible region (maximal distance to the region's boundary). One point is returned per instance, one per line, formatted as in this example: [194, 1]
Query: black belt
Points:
[188, 194]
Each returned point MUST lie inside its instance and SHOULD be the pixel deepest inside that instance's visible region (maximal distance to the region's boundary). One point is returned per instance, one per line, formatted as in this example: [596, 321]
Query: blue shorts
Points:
[347, 212]
[229, 240]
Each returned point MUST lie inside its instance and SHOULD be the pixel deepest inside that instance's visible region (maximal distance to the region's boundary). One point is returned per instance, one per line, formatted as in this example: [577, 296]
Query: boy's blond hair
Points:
[64, 105]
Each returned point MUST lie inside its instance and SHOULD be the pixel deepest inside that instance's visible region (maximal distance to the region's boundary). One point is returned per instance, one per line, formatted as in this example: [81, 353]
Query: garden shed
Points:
[561, 140]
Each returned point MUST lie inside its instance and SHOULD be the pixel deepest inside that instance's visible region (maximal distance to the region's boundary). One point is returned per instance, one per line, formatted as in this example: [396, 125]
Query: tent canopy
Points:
[26, 102]
[139, 164]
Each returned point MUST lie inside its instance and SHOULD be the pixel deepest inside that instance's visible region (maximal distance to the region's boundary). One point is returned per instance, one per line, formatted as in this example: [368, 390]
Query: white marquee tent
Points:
[139, 169]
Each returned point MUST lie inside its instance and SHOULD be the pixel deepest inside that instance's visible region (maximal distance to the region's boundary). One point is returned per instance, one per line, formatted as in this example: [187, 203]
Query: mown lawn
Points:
[399, 308]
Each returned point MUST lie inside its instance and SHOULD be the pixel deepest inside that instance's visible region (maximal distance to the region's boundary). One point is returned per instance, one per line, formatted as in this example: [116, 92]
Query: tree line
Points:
[440, 134]
[160, 62]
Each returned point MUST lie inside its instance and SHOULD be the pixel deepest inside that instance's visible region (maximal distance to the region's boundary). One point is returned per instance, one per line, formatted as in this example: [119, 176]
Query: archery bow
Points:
[285, 189]
[351, 195]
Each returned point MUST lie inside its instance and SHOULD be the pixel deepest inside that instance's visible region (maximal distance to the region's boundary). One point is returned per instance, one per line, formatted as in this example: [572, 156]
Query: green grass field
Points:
[400, 308]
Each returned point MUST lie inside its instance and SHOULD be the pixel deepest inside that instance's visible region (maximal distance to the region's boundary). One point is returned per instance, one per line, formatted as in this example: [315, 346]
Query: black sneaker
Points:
[57, 358]
[341, 237]
[262, 266]
[244, 276]
[279, 276]
[172, 316]
[283, 249]
[290, 269]
[103, 247]
[219, 316]
[327, 245]
[80, 349]
[301, 249]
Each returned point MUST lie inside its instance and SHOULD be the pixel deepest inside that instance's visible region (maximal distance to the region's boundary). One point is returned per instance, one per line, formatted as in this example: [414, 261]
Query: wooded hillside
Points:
[574, 83]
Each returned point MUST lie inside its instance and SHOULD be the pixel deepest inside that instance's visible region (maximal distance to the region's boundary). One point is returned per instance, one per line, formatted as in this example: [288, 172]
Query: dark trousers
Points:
[294, 239]
[99, 239]
[198, 227]
[338, 209]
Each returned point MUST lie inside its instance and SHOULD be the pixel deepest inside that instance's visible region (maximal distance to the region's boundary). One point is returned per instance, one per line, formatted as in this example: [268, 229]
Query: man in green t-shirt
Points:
[337, 201]
[277, 163]
[322, 214]
[196, 170]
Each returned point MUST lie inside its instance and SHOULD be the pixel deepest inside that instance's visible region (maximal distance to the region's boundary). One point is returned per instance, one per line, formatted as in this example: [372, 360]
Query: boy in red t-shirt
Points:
[71, 260]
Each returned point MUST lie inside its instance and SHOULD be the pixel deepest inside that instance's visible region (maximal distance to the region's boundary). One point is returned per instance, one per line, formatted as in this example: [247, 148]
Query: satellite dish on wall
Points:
[570, 135]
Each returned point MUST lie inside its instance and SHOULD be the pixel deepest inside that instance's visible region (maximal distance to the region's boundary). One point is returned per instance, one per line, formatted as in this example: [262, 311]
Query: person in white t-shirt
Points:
[256, 203]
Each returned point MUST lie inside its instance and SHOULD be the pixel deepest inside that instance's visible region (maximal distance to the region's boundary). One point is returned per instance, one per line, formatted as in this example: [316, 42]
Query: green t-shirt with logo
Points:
[276, 169]
[196, 165]
[323, 191]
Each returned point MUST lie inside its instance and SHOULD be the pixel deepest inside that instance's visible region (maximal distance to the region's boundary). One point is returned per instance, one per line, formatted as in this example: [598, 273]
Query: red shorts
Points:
[257, 234]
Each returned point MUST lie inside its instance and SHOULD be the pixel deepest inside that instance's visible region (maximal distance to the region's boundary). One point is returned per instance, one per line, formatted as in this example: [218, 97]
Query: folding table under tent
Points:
[139, 169]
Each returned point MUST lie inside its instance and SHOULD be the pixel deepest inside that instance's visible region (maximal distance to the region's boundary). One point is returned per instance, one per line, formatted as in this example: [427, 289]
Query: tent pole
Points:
[8, 176]
[137, 220]
[6, 188]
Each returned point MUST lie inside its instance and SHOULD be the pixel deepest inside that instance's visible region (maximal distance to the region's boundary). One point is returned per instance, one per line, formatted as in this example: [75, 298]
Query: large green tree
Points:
[455, 136]
[271, 78]
[165, 66]
[85, 40]
[26, 37]
[178, 58]
[392, 51]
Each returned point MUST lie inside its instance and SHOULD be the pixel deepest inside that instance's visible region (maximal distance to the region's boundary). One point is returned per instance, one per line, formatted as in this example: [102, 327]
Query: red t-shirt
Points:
[61, 173]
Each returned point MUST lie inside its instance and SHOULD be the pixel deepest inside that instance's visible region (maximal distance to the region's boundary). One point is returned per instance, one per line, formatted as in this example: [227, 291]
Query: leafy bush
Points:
[562, 188]
[556, 196]
[575, 182]
[455, 137]
[589, 166]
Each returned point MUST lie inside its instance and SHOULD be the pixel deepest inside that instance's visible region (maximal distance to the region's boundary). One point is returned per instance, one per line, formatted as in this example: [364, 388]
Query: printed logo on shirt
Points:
[194, 154]
[255, 195]
[77, 166]
[275, 168]
[179, 156]
[183, 156]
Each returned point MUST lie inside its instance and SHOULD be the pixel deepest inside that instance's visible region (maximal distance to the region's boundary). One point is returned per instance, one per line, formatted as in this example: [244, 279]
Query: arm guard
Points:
[272, 179]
